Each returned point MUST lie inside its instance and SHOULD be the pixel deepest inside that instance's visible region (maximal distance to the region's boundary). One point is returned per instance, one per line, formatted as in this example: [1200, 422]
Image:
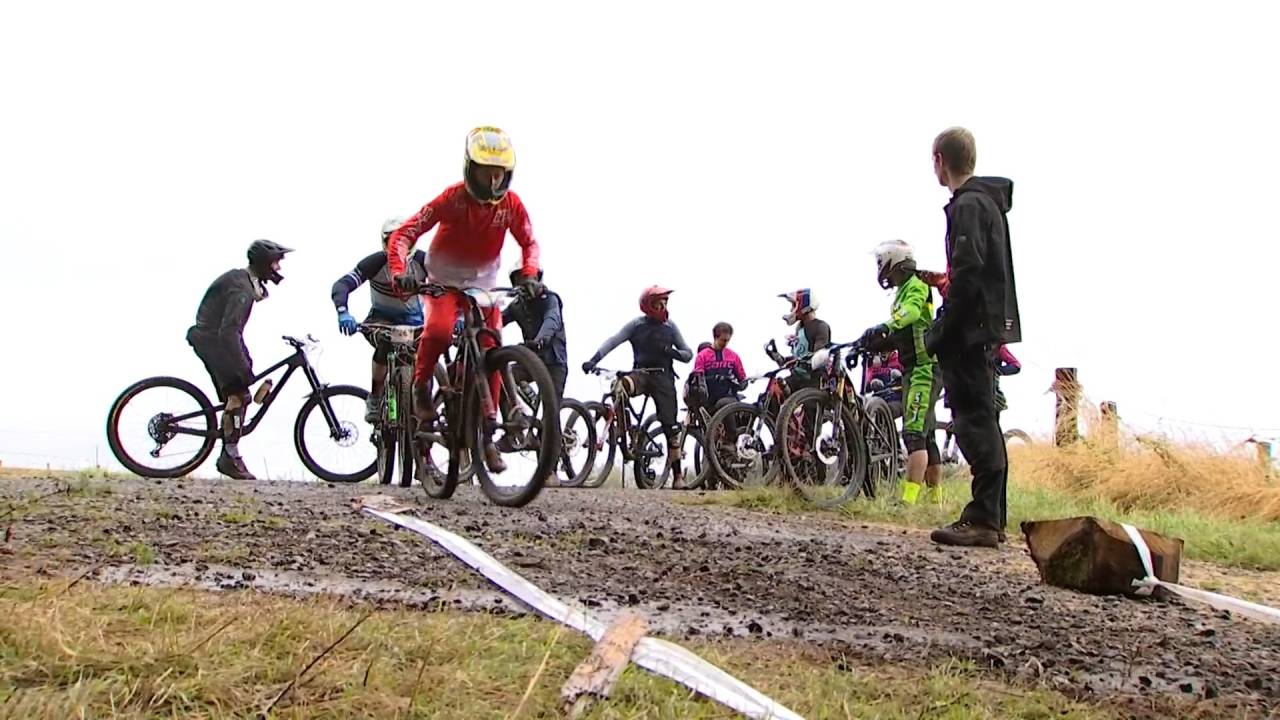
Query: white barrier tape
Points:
[1144, 554]
[658, 656]
[1221, 602]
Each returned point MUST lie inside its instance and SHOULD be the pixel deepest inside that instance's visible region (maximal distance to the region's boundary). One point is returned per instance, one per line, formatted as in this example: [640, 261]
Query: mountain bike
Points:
[740, 436]
[950, 451]
[652, 466]
[833, 441]
[181, 426]
[619, 427]
[465, 425]
[393, 433]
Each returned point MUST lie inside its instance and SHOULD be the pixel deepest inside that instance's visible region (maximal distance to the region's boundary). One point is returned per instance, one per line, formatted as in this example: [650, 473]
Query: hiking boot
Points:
[373, 409]
[1001, 537]
[966, 534]
[233, 467]
[493, 458]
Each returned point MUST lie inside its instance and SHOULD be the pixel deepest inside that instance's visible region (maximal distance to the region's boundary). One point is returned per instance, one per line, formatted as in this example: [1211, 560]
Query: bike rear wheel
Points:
[331, 423]
[578, 444]
[431, 450]
[532, 433]
[145, 405]
[740, 446]
[1016, 434]
[404, 424]
[606, 445]
[652, 467]
[882, 443]
[816, 435]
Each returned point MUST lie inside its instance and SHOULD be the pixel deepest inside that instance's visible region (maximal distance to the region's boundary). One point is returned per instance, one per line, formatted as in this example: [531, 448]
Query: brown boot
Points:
[966, 534]
[493, 458]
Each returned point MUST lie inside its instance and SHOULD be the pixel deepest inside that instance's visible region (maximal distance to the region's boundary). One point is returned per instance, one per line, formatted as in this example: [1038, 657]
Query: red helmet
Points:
[648, 297]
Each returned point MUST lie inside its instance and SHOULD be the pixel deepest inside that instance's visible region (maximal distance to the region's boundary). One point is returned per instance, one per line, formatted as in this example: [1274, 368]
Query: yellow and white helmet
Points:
[491, 147]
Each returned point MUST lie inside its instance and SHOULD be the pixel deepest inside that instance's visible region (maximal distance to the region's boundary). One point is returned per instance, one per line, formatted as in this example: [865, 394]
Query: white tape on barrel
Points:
[1221, 602]
[1144, 553]
[658, 656]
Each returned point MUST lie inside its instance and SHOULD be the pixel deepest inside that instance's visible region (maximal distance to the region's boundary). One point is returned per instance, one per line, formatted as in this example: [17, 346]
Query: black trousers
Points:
[559, 374]
[662, 388]
[970, 383]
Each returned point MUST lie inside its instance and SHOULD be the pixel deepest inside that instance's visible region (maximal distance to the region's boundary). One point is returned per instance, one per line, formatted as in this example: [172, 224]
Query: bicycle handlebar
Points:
[299, 344]
[603, 371]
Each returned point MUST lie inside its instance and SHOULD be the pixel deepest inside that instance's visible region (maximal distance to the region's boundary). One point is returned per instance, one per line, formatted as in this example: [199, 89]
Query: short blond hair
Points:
[958, 149]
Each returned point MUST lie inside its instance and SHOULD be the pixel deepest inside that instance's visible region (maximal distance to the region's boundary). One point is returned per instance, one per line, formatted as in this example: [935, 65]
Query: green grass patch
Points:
[149, 653]
[1242, 543]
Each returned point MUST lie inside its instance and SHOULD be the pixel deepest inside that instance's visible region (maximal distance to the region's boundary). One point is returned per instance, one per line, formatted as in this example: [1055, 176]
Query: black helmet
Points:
[517, 274]
[262, 253]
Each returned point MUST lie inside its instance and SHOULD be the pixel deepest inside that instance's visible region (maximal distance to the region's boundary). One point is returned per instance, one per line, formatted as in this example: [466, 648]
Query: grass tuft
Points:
[142, 652]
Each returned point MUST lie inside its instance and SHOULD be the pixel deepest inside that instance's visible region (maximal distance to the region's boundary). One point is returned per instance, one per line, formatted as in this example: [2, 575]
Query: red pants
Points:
[441, 314]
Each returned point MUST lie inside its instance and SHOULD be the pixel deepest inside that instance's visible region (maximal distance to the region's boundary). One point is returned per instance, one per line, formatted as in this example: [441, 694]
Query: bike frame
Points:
[400, 354]
[297, 360]
[621, 420]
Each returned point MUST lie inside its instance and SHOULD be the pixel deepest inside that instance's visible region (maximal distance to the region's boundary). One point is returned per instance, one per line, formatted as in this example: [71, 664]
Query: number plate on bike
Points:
[402, 334]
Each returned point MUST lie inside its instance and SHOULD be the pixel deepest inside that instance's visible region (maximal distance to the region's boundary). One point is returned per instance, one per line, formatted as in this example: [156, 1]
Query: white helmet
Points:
[890, 255]
[390, 225]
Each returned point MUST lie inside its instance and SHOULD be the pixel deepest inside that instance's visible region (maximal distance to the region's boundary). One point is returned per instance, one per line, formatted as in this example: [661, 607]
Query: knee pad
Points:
[914, 441]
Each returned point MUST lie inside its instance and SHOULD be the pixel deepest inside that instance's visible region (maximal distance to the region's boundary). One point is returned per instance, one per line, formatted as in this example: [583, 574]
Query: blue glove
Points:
[347, 324]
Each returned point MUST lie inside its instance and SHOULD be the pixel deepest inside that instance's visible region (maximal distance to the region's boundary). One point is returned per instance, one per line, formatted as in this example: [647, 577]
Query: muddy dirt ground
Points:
[867, 594]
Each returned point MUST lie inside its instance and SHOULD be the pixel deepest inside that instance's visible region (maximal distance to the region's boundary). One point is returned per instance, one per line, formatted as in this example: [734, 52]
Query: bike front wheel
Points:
[817, 438]
[741, 446]
[332, 437]
[162, 427]
[528, 436]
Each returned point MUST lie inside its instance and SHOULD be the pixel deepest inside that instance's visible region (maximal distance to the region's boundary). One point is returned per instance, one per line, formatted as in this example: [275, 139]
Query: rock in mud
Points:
[1096, 556]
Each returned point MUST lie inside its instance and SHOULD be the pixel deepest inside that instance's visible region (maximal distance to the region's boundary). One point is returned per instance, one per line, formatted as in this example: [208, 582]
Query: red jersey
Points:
[467, 247]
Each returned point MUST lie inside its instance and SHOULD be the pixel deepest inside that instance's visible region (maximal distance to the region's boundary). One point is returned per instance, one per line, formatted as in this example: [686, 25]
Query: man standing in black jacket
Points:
[979, 314]
[218, 340]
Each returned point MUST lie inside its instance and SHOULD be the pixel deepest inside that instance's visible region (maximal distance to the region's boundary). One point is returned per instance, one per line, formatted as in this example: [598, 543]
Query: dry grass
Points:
[93, 651]
[1154, 474]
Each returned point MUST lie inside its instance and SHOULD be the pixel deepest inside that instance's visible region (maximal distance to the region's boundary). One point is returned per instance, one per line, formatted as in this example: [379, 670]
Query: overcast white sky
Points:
[731, 150]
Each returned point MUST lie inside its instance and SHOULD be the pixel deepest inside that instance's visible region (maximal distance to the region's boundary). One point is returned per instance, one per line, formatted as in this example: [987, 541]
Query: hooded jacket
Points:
[981, 306]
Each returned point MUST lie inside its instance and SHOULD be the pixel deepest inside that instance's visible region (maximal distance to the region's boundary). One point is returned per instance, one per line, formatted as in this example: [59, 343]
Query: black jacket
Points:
[220, 321]
[981, 307]
[541, 319]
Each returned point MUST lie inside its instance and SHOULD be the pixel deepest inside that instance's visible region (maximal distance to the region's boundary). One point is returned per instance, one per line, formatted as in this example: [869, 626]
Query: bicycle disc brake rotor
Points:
[348, 434]
[827, 448]
[746, 447]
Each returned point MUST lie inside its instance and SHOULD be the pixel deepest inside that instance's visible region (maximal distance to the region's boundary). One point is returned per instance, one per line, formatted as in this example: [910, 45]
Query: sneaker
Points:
[373, 409]
[233, 467]
[493, 459]
[966, 534]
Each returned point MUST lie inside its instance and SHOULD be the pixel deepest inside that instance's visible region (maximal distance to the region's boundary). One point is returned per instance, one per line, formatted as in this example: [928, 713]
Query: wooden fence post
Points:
[1066, 411]
[1108, 425]
[1263, 448]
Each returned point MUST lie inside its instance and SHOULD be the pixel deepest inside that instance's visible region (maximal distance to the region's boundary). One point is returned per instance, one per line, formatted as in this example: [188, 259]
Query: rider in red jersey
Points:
[474, 217]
